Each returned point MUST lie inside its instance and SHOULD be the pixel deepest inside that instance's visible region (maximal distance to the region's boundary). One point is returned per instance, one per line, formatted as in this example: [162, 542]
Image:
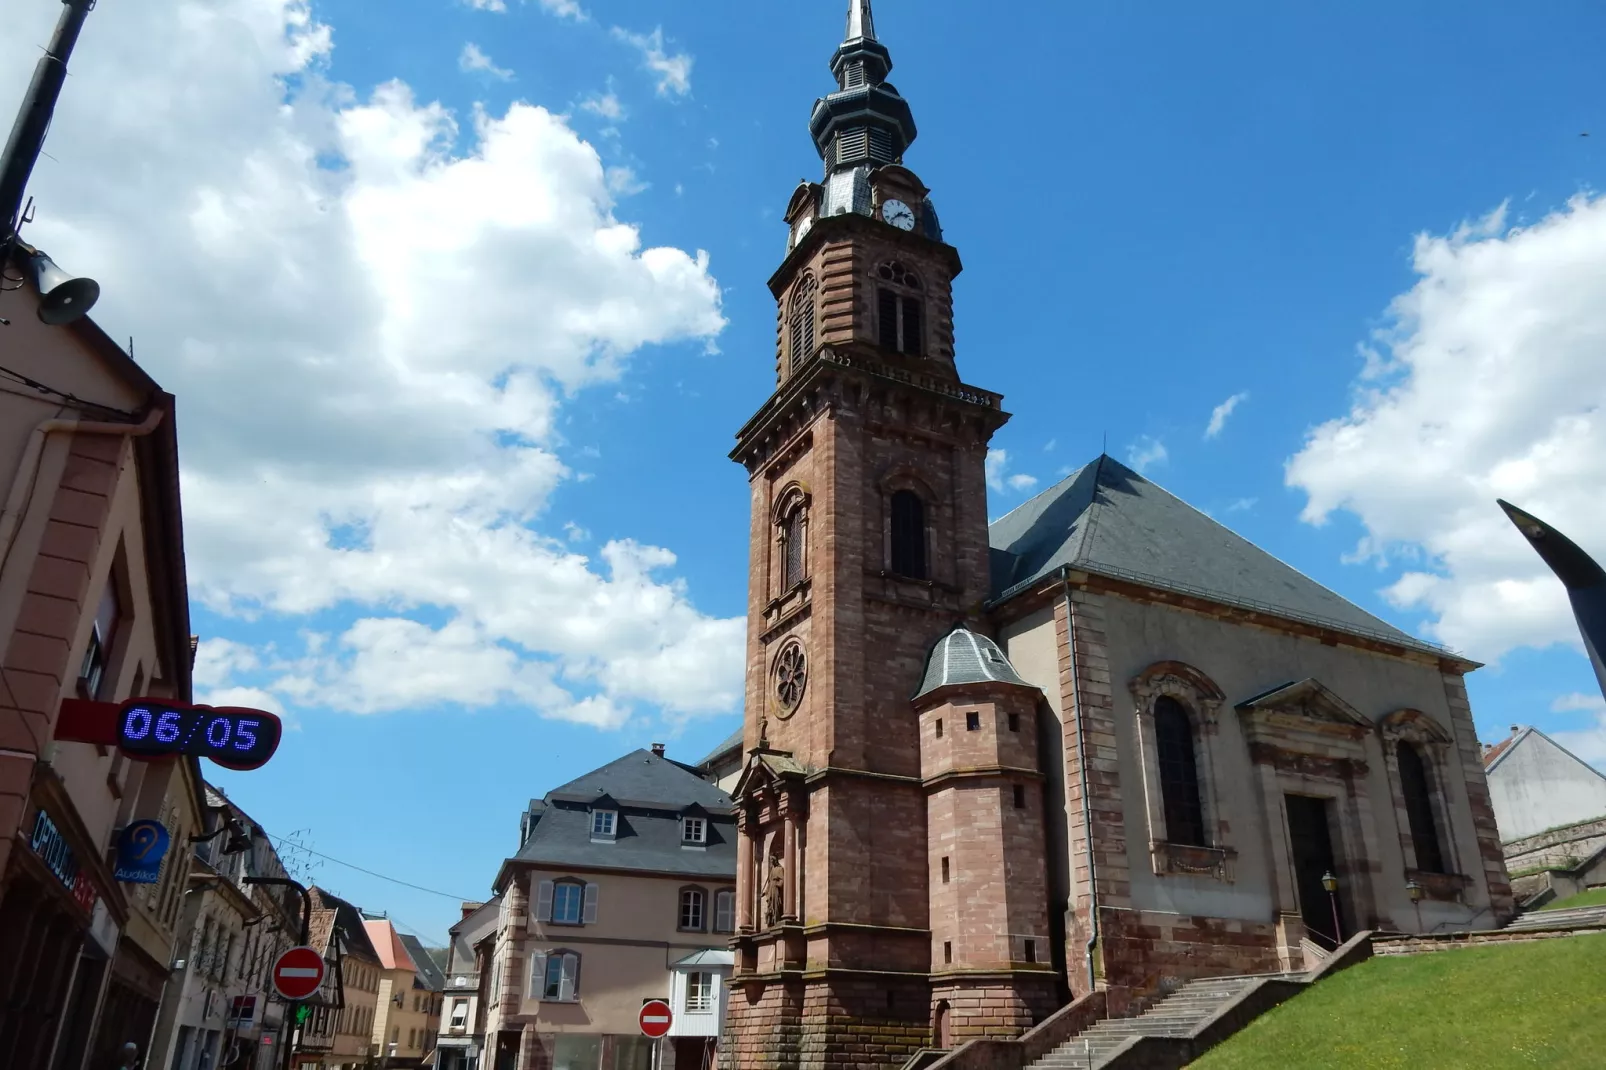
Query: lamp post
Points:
[1414, 890]
[1330, 882]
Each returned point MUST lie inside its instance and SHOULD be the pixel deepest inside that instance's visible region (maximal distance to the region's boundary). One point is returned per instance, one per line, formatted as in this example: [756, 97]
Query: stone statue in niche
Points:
[774, 889]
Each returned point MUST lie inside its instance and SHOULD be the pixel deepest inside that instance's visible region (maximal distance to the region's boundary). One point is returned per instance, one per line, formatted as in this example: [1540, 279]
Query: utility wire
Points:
[371, 873]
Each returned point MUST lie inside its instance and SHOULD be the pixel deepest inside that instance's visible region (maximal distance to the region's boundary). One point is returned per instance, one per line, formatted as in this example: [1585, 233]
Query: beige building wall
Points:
[624, 956]
[409, 1022]
[1244, 661]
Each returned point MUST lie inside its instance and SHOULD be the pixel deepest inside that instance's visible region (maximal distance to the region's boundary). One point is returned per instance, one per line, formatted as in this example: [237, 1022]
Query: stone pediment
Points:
[764, 769]
[1307, 701]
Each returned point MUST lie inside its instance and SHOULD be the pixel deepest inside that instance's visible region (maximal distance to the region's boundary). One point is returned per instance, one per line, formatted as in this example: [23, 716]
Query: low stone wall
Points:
[1416, 945]
[1026, 1049]
[1561, 848]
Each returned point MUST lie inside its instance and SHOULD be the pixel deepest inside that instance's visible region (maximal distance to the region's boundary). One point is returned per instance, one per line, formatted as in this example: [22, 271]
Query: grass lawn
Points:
[1594, 897]
[1527, 1004]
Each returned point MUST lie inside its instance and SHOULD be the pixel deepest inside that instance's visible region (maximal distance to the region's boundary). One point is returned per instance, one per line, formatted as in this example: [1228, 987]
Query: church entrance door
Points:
[1311, 842]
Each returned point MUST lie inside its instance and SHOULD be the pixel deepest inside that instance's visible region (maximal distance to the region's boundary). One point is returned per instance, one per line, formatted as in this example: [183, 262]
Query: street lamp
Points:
[1414, 890]
[1330, 882]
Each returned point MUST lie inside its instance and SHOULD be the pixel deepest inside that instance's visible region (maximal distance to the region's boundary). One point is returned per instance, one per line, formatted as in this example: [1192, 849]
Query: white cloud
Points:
[486, 5]
[622, 182]
[1219, 414]
[474, 61]
[1576, 701]
[674, 72]
[1487, 383]
[606, 105]
[1240, 505]
[999, 477]
[1145, 453]
[1048, 446]
[565, 9]
[404, 366]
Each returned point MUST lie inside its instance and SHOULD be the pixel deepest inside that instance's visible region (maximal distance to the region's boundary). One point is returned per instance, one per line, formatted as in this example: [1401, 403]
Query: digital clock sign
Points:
[233, 737]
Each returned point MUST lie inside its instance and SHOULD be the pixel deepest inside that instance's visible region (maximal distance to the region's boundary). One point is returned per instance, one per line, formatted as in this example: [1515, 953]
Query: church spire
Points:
[865, 123]
[860, 22]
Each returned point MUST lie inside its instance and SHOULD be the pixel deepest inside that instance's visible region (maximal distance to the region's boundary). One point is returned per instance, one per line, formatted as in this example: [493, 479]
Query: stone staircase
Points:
[1576, 918]
[1177, 1015]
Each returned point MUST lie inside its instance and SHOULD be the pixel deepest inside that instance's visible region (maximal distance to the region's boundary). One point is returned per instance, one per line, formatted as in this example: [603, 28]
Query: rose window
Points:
[791, 675]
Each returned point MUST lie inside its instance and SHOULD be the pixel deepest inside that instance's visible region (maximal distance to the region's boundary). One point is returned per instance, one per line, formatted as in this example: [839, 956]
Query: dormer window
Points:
[693, 831]
[604, 824]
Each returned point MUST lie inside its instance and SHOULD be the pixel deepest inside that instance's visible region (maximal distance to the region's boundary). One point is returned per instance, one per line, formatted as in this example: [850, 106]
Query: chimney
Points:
[658, 749]
[469, 908]
[1515, 729]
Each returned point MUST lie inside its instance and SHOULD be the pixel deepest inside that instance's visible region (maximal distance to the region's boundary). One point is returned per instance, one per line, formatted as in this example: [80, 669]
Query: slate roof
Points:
[1107, 519]
[650, 792]
[331, 913]
[428, 963]
[963, 657]
[732, 742]
[643, 777]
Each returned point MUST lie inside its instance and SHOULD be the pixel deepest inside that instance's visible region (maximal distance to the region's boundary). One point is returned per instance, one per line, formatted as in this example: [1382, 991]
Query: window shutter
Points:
[543, 902]
[571, 967]
[723, 902]
[887, 314]
[589, 915]
[537, 984]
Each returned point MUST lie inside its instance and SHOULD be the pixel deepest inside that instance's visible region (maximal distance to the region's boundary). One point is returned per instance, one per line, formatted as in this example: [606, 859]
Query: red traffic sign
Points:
[655, 1018]
[297, 973]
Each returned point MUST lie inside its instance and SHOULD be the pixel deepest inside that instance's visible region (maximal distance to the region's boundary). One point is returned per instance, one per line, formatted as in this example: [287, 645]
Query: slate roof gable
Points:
[1105, 518]
[651, 793]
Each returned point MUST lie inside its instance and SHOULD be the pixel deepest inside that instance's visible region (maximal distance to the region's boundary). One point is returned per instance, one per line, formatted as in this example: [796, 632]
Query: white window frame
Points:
[694, 831]
[604, 824]
[700, 996]
[459, 1014]
[694, 900]
[546, 902]
[568, 976]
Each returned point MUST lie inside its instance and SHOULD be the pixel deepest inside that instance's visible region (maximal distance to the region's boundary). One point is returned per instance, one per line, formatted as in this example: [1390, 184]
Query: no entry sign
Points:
[298, 973]
[655, 1018]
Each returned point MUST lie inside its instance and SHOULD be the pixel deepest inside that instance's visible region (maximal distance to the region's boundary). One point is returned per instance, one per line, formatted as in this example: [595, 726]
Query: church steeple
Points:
[865, 122]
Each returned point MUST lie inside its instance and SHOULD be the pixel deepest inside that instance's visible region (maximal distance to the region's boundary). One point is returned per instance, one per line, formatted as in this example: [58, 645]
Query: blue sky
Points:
[425, 379]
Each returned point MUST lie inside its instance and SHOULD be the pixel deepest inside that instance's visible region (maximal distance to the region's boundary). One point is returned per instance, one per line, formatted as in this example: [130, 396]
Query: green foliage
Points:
[1593, 897]
[1515, 1005]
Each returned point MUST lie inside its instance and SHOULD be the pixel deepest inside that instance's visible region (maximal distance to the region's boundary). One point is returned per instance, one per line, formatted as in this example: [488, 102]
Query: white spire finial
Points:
[860, 22]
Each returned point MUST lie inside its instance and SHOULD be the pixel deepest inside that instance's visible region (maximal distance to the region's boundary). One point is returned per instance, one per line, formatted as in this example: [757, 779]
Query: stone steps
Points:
[1177, 1015]
[1576, 918]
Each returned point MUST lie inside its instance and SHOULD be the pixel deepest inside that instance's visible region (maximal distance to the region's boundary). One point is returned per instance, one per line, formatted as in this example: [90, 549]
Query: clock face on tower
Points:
[898, 214]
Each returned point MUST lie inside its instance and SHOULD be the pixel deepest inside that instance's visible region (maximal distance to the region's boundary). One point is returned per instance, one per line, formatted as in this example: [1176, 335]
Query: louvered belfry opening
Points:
[898, 314]
[802, 320]
[1179, 774]
[1419, 808]
[908, 535]
[792, 537]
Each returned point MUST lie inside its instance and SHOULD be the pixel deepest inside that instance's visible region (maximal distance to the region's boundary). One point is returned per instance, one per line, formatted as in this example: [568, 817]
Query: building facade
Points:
[619, 874]
[93, 605]
[339, 1028]
[219, 1009]
[407, 1006]
[1102, 741]
[460, 1044]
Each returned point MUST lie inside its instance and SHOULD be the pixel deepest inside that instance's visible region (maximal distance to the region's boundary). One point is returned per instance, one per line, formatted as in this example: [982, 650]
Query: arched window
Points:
[792, 539]
[693, 910]
[802, 320]
[1179, 773]
[1419, 808]
[898, 309]
[725, 910]
[908, 535]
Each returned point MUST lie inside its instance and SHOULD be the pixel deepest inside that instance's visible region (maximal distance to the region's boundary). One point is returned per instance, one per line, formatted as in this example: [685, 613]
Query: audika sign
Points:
[140, 850]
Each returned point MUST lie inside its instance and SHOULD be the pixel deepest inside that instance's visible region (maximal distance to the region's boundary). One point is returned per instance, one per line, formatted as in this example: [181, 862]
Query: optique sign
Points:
[232, 737]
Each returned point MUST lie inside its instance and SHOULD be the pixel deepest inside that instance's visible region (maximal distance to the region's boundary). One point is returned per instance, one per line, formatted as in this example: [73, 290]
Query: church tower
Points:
[875, 793]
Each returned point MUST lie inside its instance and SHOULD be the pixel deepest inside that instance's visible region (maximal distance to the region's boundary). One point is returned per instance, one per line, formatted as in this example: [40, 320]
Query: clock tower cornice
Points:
[841, 379]
[865, 232]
